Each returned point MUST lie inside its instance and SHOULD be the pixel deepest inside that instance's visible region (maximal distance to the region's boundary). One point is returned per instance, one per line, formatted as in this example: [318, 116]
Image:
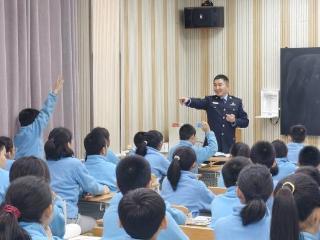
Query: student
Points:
[32, 166]
[69, 176]
[4, 174]
[28, 140]
[182, 187]
[285, 166]
[9, 151]
[311, 172]
[251, 219]
[27, 210]
[142, 214]
[139, 138]
[187, 134]
[96, 162]
[296, 209]
[309, 156]
[135, 172]
[222, 205]
[297, 135]
[150, 150]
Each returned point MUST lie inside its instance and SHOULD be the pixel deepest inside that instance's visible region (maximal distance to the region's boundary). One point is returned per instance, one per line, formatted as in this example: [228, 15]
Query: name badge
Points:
[232, 104]
[215, 103]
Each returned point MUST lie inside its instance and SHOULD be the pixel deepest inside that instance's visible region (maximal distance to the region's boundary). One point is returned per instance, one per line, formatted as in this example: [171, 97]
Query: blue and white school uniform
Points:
[222, 205]
[202, 153]
[102, 170]
[112, 229]
[190, 193]
[58, 223]
[293, 151]
[68, 176]
[158, 163]
[36, 231]
[286, 168]
[231, 227]
[4, 183]
[28, 141]
[176, 214]
[9, 164]
[307, 236]
[111, 157]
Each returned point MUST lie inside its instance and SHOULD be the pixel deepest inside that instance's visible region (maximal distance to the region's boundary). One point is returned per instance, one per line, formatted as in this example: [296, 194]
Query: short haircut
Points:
[223, 77]
[186, 131]
[94, 142]
[263, 152]
[27, 116]
[281, 148]
[298, 133]
[240, 149]
[7, 142]
[231, 169]
[309, 156]
[103, 131]
[133, 172]
[310, 171]
[141, 212]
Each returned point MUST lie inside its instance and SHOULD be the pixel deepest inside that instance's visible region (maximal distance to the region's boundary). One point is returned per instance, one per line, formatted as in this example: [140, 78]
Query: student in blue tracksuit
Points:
[296, 211]
[182, 187]
[36, 167]
[309, 156]
[150, 150]
[28, 140]
[96, 145]
[285, 166]
[134, 172]
[27, 210]
[297, 135]
[187, 134]
[142, 214]
[251, 219]
[69, 176]
[222, 205]
[4, 174]
[9, 151]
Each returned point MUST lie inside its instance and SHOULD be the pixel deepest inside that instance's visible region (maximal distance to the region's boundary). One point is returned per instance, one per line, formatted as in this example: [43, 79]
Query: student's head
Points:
[29, 166]
[3, 159]
[104, 132]
[95, 143]
[309, 156]
[142, 213]
[221, 85]
[27, 116]
[139, 138]
[153, 139]
[133, 172]
[255, 186]
[281, 148]
[298, 133]
[231, 169]
[296, 207]
[240, 149]
[28, 199]
[9, 147]
[183, 159]
[188, 133]
[310, 171]
[59, 144]
[263, 152]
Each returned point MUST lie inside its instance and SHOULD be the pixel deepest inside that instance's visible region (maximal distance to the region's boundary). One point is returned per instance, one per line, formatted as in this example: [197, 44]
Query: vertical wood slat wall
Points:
[161, 60]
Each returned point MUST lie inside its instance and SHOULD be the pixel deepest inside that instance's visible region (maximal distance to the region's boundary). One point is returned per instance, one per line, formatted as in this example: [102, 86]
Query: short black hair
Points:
[186, 131]
[298, 133]
[27, 116]
[133, 172]
[94, 142]
[240, 149]
[7, 142]
[281, 148]
[310, 171]
[309, 156]
[103, 131]
[141, 212]
[263, 152]
[139, 138]
[223, 77]
[231, 169]
[29, 166]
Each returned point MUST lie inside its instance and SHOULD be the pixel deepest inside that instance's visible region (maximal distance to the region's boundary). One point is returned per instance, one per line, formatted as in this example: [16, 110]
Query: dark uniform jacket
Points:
[217, 109]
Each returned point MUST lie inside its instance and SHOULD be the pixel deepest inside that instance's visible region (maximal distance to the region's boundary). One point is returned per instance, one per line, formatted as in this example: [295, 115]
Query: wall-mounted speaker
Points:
[203, 17]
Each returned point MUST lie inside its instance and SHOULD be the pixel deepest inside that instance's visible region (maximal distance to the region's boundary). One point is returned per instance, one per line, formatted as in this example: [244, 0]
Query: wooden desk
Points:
[217, 190]
[197, 232]
[100, 198]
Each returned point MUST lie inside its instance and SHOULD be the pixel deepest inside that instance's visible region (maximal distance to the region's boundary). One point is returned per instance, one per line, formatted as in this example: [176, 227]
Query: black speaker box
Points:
[203, 17]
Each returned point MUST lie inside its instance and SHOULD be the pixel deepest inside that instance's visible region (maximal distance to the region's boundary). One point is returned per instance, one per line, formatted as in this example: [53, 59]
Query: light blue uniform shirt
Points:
[158, 163]
[190, 193]
[293, 151]
[102, 170]
[28, 141]
[111, 157]
[68, 176]
[58, 223]
[36, 231]
[307, 236]
[9, 164]
[176, 214]
[222, 205]
[202, 153]
[4, 183]
[231, 227]
[112, 230]
[286, 168]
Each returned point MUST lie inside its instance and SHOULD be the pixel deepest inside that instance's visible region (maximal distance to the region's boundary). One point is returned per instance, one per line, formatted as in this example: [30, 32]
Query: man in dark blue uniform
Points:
[224, 112]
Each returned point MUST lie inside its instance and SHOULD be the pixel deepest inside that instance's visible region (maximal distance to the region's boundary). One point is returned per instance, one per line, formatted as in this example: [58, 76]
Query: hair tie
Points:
[176, 157]
[145, 142]
[289, 185]
[13, 210]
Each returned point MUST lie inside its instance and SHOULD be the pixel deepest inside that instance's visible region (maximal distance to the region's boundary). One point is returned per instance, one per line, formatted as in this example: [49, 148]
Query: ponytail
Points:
[174, 172]
[253, 212]
[153, 139]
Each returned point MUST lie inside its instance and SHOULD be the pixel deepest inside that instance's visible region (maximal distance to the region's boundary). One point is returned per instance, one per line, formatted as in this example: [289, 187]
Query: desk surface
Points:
[100, 198]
